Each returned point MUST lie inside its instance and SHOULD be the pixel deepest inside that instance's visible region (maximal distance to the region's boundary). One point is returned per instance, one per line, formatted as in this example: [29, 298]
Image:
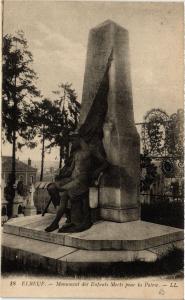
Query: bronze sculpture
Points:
[87, 161]
[86, 165]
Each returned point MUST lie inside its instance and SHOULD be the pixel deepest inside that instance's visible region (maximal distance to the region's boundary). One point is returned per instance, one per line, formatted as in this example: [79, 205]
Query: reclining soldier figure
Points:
[85, 164]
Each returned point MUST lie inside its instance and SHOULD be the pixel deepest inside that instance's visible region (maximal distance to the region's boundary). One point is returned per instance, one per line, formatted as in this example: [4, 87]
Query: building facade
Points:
[24, 172]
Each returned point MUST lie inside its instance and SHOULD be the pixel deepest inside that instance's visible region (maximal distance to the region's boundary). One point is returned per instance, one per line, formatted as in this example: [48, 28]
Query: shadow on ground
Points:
[170, 264]
[162, 212]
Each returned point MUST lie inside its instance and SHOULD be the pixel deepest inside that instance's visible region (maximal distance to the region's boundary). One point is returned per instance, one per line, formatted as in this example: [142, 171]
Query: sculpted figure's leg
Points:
[54, 189]
[54, 194]
[79, 210]
[61, 210]
[81, 202]
[60, 184]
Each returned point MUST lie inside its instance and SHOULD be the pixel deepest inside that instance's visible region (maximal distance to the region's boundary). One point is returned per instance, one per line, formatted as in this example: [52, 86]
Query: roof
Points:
[20, 166]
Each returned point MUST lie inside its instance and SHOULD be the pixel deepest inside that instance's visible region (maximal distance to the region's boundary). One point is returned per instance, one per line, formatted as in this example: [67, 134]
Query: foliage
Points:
[162, 212]
[175, 134]
[53, 120]
[66, 120]
[43, 119]
[18, 87]
[42, 116]
[148, 172]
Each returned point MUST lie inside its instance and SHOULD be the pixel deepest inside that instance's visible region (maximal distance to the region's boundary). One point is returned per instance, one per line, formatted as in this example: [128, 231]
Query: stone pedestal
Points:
[103, 235]
[17, 207]
[30, 209]
[119, 191]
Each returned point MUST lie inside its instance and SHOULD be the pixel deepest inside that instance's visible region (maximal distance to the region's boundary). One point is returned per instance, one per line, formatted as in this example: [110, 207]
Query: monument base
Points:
[45, 256]
[30, 211]
[119, 215]
[103, 235]
[109, 210]
[24, 242]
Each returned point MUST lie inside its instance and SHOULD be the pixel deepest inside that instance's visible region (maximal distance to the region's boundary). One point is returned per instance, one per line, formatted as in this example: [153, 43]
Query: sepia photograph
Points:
[92, 158]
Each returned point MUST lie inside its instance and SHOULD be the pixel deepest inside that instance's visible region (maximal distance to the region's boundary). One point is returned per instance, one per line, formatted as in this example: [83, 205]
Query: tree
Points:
[67, 118]
[43, 117]
[54, 120]
[18, 87]
[175, 135]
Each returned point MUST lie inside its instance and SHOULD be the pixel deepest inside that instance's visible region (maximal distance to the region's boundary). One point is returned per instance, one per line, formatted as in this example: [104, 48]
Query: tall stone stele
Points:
[119, 191]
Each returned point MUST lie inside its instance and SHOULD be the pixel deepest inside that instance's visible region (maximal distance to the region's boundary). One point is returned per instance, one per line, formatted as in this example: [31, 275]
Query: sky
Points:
[57, 34]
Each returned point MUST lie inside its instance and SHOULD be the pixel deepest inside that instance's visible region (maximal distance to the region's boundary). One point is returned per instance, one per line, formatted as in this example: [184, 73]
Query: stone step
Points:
[61, 259]
[103, 235]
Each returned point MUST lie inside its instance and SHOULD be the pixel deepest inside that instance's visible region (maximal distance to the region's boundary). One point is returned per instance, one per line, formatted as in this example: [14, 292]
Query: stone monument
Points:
[121, 236]
[119, 191]
[17, 205]
[30, 209]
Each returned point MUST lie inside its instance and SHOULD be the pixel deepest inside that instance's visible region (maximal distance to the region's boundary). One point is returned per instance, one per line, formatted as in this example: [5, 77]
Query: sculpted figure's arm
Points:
[66, 171]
